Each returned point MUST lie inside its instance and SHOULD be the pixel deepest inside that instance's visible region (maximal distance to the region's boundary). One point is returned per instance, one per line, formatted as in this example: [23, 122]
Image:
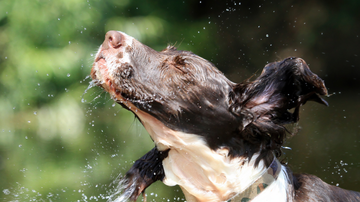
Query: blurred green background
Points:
[58, 143]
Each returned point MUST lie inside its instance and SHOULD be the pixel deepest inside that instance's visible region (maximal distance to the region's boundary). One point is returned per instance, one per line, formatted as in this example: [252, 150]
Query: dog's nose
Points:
[112, 40]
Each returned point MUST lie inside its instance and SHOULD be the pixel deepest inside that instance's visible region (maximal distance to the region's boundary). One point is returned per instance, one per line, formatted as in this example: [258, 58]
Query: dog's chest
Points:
[202, 173]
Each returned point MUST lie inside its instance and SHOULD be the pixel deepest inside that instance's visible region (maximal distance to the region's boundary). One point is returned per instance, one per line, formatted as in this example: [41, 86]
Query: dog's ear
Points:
[263, 104]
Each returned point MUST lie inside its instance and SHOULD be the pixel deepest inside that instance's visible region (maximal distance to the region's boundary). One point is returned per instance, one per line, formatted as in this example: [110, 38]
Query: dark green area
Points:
[53, 147]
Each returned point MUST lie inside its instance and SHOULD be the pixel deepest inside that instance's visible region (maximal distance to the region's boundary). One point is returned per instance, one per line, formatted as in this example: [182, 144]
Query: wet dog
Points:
[216, 139]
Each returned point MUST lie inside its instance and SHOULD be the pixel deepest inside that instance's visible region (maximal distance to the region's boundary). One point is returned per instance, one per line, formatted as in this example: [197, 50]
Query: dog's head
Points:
[189, 94]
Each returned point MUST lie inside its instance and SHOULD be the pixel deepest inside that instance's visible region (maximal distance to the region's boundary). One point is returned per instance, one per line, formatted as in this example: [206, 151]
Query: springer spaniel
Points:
[217, 140]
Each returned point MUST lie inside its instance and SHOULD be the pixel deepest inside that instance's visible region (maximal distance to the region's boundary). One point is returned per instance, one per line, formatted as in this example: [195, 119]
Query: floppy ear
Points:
[264, 104]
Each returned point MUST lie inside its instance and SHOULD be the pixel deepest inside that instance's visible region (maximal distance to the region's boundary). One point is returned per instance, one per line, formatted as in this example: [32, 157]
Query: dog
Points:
[217, 140]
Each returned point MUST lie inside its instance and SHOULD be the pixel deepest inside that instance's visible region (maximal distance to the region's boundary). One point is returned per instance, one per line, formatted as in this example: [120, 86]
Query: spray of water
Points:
[92, 84]
[123, 190]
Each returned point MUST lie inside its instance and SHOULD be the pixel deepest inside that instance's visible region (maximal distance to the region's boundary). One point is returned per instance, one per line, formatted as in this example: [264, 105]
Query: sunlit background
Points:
[58, 143]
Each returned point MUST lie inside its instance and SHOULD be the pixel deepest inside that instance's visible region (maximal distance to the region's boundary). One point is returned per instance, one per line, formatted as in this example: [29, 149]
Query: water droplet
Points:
[267, 35]
[6, 191]
[26, 137]
[69, 42]
[20, 145]
[58, 18]
[68, 75]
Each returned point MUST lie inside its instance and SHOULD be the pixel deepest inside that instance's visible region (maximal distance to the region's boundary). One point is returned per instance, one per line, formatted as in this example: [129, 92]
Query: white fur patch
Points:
[205, 174]
[278, 190]
[111, 58]
[112, 61]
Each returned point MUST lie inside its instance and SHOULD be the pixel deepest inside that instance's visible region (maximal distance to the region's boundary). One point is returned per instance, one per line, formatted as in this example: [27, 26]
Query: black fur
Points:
[264, 104]
[312, 189]
[145, 171]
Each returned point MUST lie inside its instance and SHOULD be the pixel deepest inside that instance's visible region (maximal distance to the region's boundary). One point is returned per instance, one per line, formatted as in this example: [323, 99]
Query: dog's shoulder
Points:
[313, 189]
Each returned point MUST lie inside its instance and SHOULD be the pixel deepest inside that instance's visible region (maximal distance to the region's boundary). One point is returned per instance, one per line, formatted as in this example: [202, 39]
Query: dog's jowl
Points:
[216, 139]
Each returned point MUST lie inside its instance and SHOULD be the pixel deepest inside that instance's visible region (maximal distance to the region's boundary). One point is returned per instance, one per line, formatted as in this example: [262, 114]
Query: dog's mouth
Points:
[109, 58]
[102, 77]
[100, 57]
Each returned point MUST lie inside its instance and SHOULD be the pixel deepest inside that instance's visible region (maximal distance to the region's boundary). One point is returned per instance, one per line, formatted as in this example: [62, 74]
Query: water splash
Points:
[92, 84]
[123, 190]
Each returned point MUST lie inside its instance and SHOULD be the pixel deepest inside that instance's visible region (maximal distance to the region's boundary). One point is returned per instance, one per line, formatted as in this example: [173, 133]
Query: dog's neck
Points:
[207, 175]
[204, 174]
[268, 177]
[273, 185]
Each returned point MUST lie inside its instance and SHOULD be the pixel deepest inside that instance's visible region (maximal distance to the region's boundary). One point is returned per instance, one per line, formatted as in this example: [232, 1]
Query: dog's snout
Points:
[112, 40]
